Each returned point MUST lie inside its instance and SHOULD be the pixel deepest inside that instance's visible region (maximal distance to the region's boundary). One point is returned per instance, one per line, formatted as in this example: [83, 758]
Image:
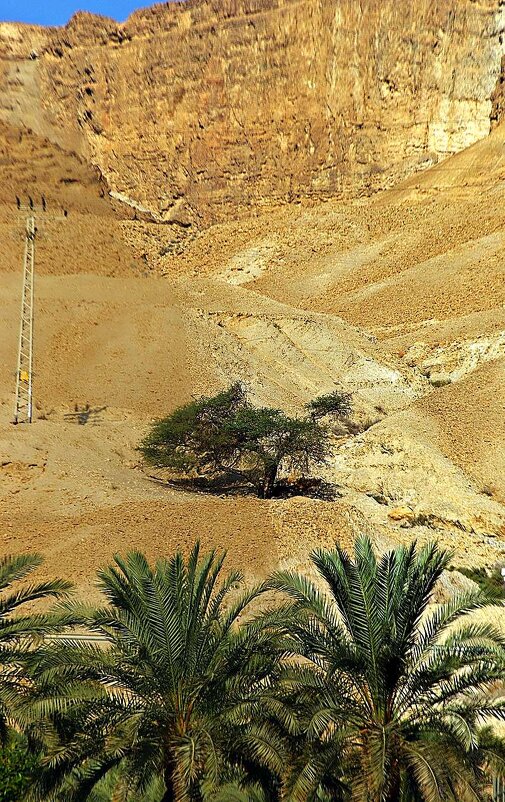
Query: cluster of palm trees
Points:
[187, 687]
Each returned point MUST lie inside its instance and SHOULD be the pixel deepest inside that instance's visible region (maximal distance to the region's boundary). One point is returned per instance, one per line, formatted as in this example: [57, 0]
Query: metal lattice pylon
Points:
[23, 411]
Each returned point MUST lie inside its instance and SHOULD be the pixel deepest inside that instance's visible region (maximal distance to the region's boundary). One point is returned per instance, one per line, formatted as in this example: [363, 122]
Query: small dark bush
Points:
[17, 770]
[490, 582]
[336, 403]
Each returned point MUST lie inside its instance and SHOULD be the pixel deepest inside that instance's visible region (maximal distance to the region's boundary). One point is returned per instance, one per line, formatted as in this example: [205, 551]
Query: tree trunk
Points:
[395, 784]
[268, 484]
[168, 776]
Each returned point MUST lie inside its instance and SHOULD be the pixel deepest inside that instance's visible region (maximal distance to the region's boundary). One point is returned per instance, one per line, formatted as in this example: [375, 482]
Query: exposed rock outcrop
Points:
[197, 107]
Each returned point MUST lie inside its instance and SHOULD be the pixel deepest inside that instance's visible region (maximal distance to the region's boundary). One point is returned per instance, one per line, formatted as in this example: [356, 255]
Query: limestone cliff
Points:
[201, 108]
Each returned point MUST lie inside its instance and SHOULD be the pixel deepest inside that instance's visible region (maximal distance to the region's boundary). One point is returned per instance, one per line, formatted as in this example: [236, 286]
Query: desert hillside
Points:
[225, 201]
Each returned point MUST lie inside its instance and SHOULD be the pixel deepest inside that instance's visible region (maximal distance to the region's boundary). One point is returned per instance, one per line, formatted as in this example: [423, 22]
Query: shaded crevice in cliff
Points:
[498, 97]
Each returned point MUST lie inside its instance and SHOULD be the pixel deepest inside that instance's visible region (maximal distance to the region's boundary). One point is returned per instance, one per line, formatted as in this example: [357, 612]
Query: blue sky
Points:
[58, 12]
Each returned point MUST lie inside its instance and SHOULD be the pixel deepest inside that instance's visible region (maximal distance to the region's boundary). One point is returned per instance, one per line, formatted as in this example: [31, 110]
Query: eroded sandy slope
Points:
[126, 331]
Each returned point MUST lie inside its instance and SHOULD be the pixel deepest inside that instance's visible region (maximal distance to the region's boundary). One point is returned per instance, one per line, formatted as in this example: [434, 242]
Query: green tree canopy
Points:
[350, 686]
[174, 691]
[226, 435]
[392, 693]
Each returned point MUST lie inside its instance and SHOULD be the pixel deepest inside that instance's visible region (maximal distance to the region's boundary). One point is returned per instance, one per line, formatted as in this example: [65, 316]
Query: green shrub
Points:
[490, 582]
[17, 768]
[336, 403]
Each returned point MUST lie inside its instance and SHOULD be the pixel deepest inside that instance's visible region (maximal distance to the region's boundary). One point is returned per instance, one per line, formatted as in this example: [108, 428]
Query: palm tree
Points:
[19, 631]
[172, 690]
[391, 690]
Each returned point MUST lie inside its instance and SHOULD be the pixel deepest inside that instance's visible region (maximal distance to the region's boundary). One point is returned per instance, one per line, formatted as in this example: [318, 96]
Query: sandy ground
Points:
[400, 299]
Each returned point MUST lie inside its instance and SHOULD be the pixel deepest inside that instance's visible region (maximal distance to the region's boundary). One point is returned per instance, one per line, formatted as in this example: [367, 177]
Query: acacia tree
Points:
[226, 435]
[391, 693]
[172, 694]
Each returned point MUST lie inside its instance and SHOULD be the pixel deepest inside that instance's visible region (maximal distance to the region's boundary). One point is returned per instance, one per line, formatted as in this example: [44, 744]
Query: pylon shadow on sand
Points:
[85, 414]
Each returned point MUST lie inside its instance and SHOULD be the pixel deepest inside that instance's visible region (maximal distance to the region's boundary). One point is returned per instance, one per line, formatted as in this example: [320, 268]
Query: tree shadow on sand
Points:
[224, 485]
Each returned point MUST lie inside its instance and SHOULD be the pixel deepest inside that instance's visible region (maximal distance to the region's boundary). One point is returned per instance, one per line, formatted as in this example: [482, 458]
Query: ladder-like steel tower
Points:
[24, 373]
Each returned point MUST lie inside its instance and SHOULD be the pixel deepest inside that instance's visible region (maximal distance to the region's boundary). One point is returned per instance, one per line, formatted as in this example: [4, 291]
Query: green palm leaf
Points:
[174, 694]
[398, 688]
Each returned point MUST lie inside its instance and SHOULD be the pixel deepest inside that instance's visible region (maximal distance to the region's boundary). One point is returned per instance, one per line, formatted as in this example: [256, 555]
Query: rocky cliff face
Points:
[198, 109]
